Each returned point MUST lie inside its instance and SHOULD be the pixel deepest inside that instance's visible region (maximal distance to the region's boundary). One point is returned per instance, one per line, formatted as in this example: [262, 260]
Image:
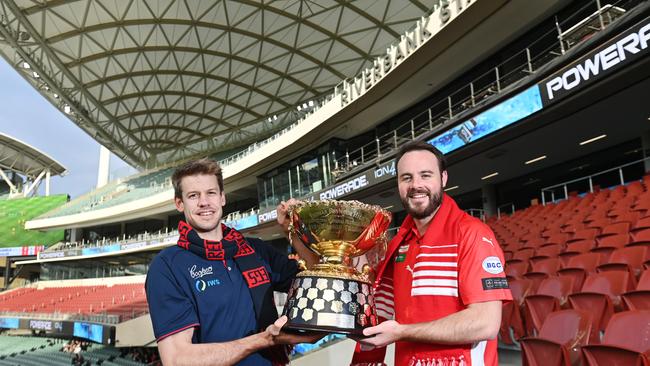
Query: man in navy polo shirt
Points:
[211, 296]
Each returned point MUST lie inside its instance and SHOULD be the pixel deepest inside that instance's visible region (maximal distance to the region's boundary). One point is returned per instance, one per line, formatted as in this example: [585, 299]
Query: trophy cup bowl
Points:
[333, 296]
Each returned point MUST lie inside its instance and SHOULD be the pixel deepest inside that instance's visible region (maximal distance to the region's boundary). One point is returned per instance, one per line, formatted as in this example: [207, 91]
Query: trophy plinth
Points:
[333, 296]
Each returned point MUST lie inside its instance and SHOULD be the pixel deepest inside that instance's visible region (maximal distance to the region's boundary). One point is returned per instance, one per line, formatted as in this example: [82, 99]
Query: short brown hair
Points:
[422, 145]
[196, 167]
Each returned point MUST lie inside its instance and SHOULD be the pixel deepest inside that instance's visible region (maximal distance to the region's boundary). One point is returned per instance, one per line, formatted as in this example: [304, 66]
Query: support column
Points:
[48, 176]
[104, 166]
[489, 194]
[75, 235]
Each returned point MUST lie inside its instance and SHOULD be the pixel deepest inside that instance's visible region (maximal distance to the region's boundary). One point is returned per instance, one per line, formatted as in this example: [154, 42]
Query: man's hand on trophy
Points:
[382, 334]
[276, 335]
[283, 213]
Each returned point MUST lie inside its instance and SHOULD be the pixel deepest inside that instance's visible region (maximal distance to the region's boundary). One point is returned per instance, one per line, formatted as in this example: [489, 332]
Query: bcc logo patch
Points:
[492, 265]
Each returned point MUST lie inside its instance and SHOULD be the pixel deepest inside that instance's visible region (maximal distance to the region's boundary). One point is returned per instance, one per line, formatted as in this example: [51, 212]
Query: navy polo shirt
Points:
[187, 291]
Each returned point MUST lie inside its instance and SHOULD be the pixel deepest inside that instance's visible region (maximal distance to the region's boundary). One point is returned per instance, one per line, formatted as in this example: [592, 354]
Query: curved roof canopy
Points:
[25, 159]
[160, 80]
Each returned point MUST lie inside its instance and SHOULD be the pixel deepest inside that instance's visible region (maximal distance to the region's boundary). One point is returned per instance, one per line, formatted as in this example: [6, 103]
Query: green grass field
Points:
[14, 213]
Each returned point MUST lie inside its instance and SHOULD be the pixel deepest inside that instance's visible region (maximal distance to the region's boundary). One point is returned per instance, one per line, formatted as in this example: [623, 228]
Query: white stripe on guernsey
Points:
[435, 282]
[384, 314]
[437, 255]
[435, 273]
[478, 353]
[384, 294]
[438, 246]
[442, 291]
[385, 308]
[436, 264]
[384, 301]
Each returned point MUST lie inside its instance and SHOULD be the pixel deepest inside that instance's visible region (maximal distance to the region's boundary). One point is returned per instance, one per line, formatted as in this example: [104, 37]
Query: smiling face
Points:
[202, 203]
[420, 183]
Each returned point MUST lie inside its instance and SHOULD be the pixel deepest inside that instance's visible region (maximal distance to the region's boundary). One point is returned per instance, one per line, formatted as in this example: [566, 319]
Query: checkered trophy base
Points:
[333, 305]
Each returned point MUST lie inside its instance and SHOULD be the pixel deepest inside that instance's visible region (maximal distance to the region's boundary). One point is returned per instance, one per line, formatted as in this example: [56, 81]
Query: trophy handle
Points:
[371, 233]
[298, 227]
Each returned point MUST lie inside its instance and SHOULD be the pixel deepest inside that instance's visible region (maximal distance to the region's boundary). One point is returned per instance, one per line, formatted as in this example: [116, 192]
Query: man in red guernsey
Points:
[439, 290]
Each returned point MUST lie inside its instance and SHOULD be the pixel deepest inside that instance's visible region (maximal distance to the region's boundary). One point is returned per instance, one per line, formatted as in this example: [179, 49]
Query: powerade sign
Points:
[622, 50]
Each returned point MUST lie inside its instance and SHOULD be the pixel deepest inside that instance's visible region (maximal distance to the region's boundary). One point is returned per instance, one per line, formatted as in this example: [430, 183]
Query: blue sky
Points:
[27, 116]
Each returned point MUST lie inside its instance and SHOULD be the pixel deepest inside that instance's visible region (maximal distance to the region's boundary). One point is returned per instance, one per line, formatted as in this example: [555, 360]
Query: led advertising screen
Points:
[9, 323]
[94, 332]
[505, 113]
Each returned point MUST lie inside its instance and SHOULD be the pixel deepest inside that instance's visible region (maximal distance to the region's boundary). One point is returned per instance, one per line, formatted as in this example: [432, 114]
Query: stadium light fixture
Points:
[67, 109]
[450, 188]
[585, 142]
[299, 108]
[490, 175]
[311, 103]
[26, 65]
[536, 159]
[275, 117]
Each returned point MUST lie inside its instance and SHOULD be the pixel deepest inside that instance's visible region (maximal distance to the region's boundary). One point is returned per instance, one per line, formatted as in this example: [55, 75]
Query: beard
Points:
[421, 212]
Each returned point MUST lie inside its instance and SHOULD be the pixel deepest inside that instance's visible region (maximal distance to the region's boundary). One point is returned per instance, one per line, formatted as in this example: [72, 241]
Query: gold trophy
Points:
[333, 296]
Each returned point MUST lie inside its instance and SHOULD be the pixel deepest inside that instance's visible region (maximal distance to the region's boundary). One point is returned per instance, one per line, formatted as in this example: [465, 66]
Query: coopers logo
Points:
[202, 285]
[194, 273]
[630, 46]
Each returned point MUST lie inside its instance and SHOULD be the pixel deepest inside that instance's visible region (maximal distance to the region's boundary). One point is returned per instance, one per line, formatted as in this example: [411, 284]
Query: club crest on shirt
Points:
[204, 271]
[492, 265]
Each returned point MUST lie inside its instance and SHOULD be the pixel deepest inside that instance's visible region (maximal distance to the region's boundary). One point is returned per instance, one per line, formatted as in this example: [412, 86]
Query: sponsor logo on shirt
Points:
[494, 283]
[487, 241]
[194, 273]
[492, 265]
[202, 285]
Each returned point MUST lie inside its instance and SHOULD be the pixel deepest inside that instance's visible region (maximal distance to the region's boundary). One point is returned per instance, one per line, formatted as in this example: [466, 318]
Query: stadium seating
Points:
[625, 342]
[36, 351]
[598, 242]
[123, 300]
[559, 339]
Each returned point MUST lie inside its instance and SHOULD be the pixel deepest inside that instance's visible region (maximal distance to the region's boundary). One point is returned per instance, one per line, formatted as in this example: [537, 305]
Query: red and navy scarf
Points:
[234, 246]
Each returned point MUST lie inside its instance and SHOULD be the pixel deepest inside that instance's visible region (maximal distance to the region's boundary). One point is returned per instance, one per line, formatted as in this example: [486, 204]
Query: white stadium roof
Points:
[25, 159]
[159, 81]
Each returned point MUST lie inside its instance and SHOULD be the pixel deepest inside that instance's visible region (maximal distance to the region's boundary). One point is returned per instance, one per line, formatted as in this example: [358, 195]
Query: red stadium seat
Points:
[579, 267]
[547, 265]
[628, 259]
[641, 236]
[626, 341]
[584, 234]
[550, 251]
[550, 296]
[601, 295]
[524, 254]
[559, 340]
[516, 268]
[639, 299]
[616, 228]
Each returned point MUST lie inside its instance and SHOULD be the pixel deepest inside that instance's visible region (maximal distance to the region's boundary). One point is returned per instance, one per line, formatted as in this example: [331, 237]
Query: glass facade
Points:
[133, 264]
[310, 173]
